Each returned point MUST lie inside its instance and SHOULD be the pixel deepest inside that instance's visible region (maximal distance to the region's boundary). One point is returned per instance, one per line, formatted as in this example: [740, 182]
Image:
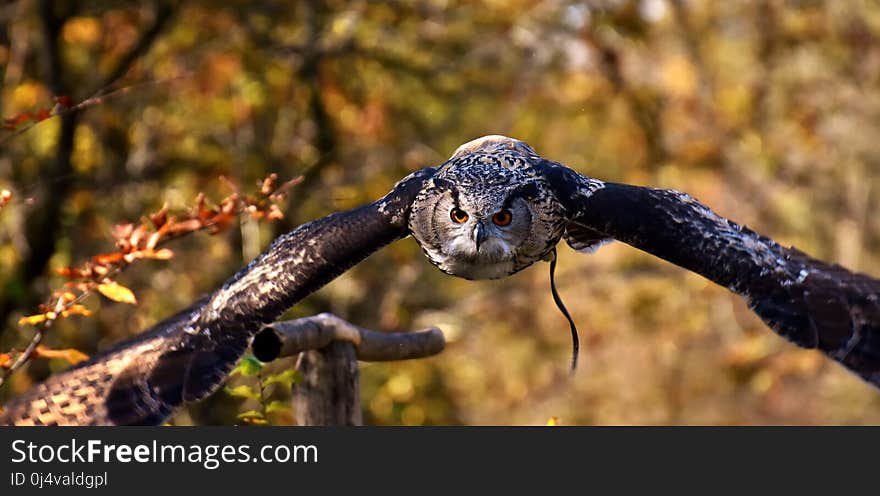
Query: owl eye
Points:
[458, 216]
[502, 218]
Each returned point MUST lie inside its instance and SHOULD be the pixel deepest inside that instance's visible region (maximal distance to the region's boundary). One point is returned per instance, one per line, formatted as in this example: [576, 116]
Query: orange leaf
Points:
[70, 355]
[274, 213]
[117, 292]
[159, 218]
[107, 258]
[268, 184]
[5, 360]
[220, 222]
[76, 310]
[71, 273]
[67, 296]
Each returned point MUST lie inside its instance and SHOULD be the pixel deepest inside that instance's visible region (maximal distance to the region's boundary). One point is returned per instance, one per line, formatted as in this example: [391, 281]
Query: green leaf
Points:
[243, 391]
[248, 366]
[289, 376]
[278, 406]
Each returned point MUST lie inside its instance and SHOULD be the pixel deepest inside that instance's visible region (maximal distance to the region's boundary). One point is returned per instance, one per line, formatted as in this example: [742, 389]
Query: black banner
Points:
[397, 459]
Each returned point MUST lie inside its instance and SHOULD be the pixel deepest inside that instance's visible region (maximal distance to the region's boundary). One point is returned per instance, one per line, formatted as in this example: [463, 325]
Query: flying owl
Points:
[494, 208]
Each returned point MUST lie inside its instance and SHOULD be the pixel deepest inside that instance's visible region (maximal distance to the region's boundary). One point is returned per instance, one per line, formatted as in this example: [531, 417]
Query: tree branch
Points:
[291, 337]
[42, 228]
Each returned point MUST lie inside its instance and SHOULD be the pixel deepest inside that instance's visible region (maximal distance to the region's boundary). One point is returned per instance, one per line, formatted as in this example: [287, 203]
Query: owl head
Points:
[486, 214]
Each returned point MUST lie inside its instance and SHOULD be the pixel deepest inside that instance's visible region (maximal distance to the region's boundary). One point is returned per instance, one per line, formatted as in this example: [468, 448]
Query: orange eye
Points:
[458, 216]
[502, 218]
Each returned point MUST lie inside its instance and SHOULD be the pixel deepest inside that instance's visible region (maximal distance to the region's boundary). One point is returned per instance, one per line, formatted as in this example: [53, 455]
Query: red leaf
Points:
[15, 120]
[63, 100]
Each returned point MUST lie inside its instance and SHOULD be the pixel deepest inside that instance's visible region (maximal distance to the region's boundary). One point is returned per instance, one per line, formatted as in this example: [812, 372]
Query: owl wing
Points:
[811, 303]
[187, 356]
[583, 238]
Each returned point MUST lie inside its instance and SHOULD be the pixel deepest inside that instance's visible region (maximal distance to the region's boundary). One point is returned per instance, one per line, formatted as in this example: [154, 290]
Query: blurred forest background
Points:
[766, 110]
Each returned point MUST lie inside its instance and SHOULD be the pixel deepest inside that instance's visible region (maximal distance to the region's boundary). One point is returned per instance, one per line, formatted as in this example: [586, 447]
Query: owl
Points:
[486, 213]
[492, 209]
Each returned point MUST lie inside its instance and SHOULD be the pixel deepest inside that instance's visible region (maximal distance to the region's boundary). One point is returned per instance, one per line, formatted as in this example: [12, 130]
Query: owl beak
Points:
[479, 235]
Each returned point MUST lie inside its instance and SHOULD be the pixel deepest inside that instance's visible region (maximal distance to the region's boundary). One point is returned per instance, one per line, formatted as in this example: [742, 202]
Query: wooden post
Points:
[329, 393]
[329, 349]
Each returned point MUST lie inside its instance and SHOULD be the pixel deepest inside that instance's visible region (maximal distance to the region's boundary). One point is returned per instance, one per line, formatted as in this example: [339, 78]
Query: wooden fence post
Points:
[329, 393]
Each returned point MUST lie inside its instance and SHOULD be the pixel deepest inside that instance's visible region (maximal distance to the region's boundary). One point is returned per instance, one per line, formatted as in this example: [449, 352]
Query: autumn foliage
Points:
[141, 241]
[767, 111]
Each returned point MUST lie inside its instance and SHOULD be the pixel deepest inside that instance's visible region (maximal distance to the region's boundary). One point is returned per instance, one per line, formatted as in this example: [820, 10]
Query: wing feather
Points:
[812, 303]
[584, 239]
[188, 356]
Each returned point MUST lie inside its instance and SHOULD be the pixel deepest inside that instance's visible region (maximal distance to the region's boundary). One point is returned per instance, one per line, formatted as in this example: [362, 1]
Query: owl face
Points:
[483, 216]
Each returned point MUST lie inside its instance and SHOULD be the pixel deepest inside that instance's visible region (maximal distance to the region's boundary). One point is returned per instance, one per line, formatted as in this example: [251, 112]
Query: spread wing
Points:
[583, 238]
[187, 356]
[812, 303]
